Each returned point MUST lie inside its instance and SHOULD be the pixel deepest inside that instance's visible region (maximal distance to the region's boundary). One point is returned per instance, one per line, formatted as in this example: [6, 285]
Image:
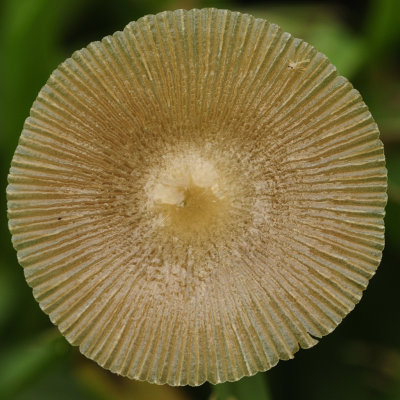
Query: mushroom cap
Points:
[197, 196]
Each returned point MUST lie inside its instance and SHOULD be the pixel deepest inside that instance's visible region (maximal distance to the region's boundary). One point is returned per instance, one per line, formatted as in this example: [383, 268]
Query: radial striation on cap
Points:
[196, 197]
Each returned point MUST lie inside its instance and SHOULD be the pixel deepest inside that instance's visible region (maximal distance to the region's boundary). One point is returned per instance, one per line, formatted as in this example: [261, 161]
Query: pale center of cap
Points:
[189, 196]
[187, 186]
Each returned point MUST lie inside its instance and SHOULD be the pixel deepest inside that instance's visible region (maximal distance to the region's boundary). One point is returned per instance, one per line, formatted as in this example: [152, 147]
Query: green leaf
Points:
[29, 50]
[383, 27]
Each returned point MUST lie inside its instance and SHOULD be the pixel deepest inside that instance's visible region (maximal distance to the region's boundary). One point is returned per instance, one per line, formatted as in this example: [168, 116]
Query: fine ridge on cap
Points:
[197, 197]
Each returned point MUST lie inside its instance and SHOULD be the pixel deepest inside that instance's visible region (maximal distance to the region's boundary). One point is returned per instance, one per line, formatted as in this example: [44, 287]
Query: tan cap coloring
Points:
[196, 197]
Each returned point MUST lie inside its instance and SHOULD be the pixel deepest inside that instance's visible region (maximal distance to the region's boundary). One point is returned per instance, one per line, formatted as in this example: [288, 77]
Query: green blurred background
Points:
[360, 359]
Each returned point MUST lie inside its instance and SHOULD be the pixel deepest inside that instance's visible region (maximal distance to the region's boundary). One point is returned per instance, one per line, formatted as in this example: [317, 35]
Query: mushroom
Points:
[196, 197]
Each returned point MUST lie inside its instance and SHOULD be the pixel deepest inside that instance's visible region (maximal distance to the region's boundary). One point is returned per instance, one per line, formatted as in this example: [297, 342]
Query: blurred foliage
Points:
[253, 388]
[361, 360]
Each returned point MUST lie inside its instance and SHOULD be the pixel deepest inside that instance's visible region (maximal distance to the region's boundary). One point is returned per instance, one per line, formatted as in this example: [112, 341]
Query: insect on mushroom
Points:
[298, 65]
[222, 211]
